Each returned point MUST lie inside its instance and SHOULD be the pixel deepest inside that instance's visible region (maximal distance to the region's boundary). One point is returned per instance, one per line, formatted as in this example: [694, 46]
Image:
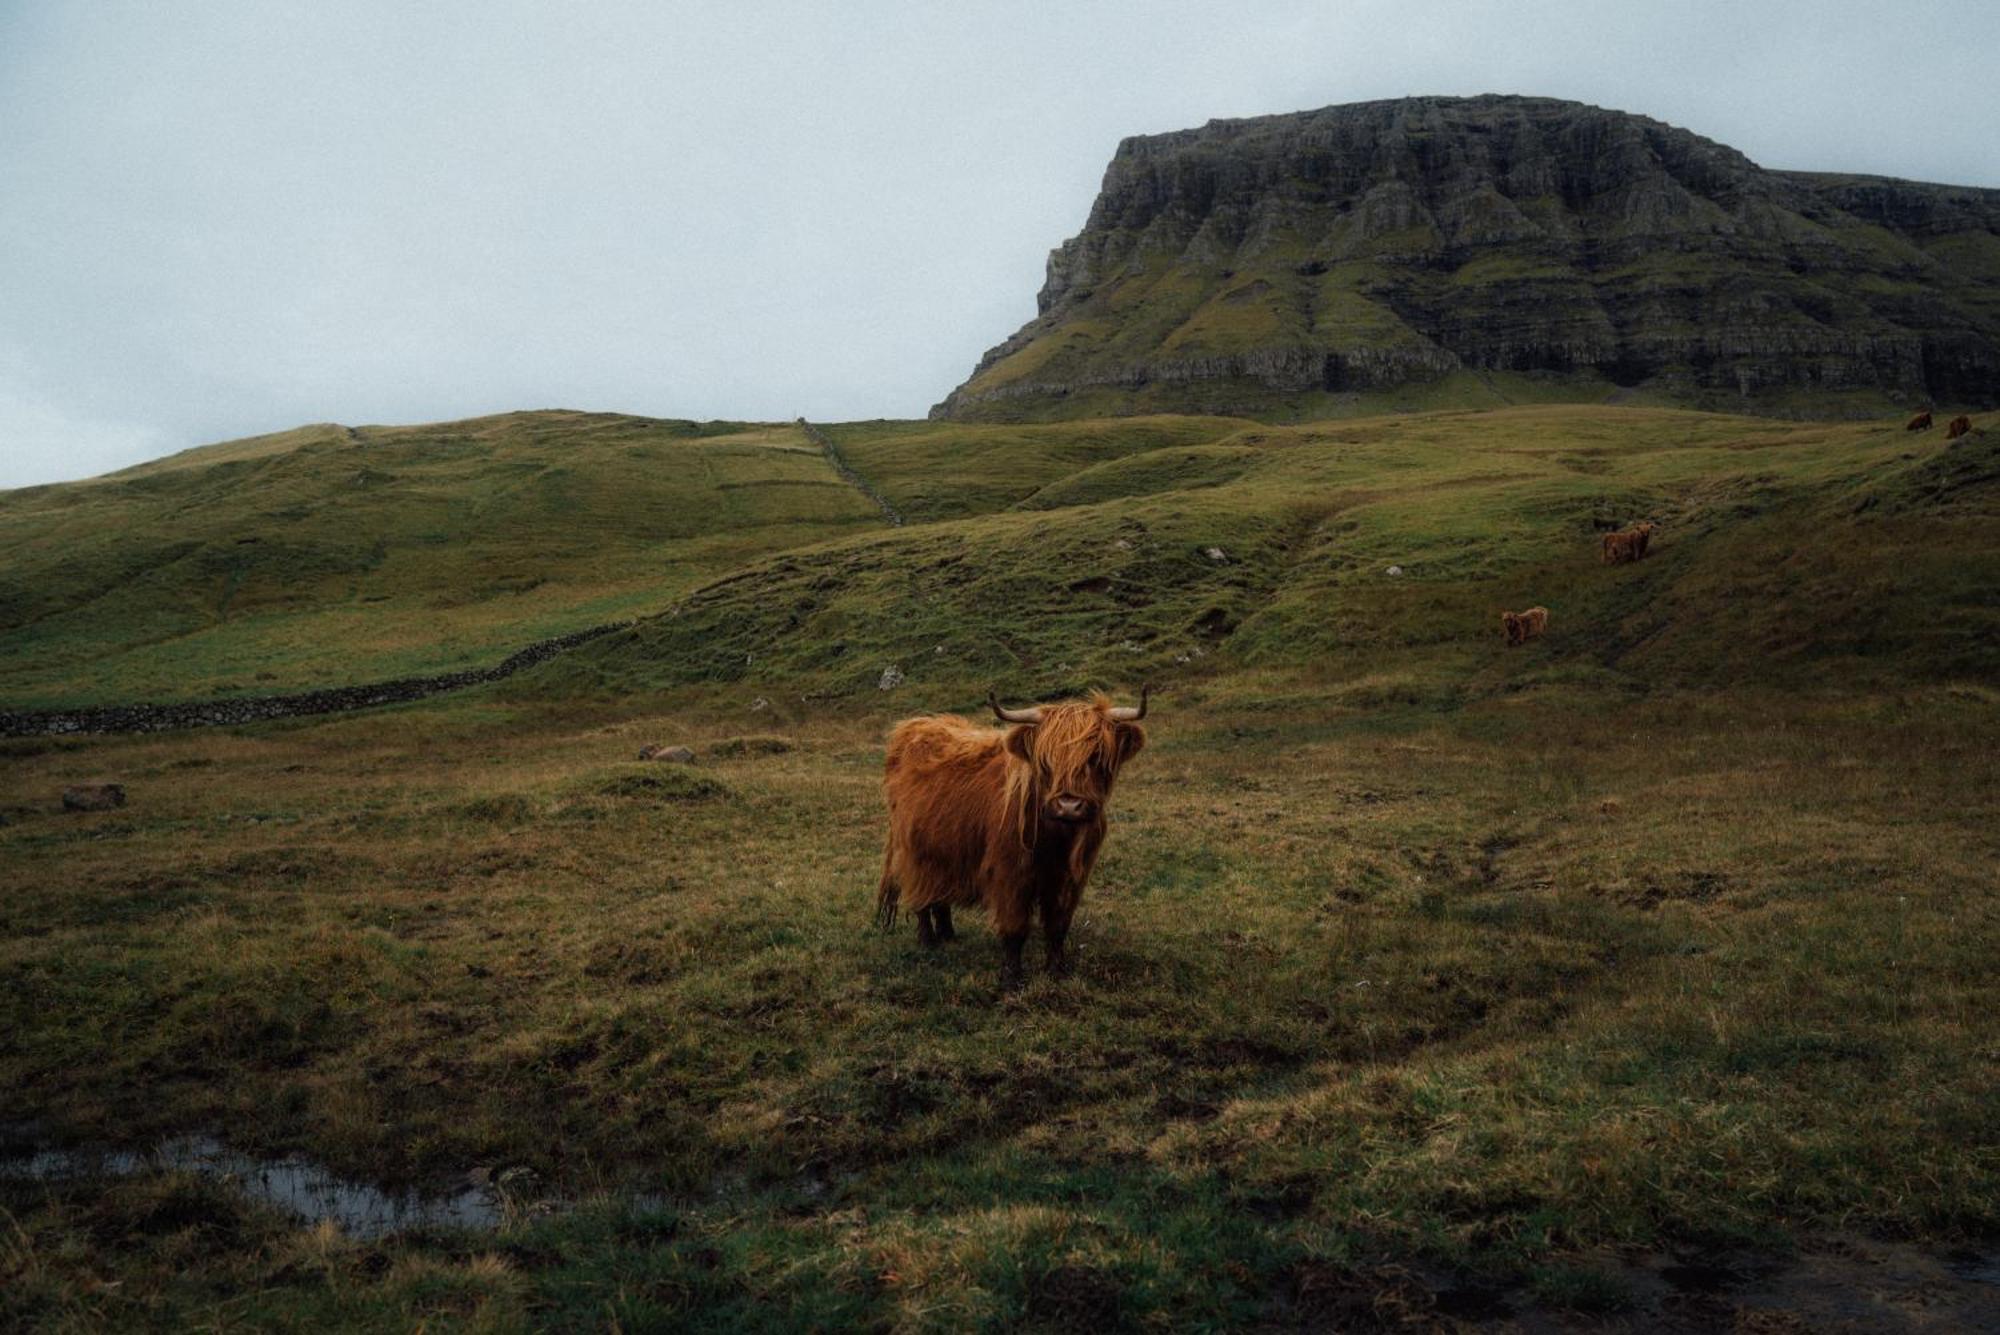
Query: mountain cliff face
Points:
[1429, 251]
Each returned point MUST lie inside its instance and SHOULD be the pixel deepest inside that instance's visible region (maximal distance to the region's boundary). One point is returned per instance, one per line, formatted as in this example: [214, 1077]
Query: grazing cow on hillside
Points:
[1627, 544]
[1921, 422]
[1011, 819]
[1521, 627]
[1959, 426]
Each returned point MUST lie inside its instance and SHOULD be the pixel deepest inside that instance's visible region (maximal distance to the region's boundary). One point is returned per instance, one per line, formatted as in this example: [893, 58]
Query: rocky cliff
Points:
[1428, 251]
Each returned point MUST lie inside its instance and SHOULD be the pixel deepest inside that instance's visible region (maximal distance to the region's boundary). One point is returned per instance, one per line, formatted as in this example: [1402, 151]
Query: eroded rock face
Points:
[1264, 265]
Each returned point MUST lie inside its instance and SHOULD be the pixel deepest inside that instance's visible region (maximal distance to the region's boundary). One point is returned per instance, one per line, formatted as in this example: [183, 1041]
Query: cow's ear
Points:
[1131, 740]
[1021, 742]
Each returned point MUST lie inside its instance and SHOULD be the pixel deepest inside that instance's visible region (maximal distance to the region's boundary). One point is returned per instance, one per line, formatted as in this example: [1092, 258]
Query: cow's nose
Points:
[1072, 808]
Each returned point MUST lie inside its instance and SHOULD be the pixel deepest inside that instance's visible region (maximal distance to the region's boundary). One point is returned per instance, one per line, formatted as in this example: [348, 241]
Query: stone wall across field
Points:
[253, 709]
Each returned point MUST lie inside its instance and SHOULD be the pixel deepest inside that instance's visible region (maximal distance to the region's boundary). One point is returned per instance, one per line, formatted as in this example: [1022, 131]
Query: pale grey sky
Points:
[218, 219]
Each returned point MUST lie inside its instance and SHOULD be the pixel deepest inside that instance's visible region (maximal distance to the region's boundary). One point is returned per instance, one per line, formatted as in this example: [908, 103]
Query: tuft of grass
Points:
[654, 783]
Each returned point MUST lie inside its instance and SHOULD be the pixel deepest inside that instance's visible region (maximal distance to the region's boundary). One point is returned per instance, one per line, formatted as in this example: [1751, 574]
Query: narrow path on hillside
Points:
[846, 471]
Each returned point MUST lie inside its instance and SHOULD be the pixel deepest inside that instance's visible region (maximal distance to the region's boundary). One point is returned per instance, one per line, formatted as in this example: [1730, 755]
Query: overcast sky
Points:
[218, 219]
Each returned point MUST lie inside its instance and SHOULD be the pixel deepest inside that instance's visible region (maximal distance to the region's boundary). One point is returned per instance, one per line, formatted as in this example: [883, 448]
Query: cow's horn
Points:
[1033, 715]
[1127, 714]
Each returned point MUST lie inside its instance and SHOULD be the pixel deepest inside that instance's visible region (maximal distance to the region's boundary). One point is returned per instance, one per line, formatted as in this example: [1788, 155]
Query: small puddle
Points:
[297, 1186]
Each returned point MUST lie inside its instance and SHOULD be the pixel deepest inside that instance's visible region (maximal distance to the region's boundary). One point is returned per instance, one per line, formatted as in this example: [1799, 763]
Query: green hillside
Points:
[1042, 556]
[1640, 973]
[1074, 554]
[330, 555]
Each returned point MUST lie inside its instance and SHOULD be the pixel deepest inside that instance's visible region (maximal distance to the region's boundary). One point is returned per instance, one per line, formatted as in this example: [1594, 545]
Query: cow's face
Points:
[1073, 755]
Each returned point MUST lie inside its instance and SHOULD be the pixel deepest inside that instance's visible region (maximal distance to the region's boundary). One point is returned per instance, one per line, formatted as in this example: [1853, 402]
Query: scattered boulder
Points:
[1217, 555]
[93, 796]
[679, 755]
[892, 677]
[1394, 571]
[759, 703]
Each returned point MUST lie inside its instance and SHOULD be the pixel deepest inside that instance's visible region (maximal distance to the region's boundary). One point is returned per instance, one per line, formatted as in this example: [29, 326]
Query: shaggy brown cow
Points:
[1009, 819]
[1959, 426]
[1921, 422]
[1521, 627]
[1627, 544]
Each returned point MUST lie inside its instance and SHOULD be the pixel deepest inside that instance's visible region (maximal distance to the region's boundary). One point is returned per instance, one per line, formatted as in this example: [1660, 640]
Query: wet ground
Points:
[295, 1185]
[1837, 1284]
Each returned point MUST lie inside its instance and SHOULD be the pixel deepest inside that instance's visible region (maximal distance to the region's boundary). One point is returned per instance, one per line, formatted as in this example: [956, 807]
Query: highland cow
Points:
[1009, 819]
[1627, 544]
[1520, 627]
[1921, 422]
[1959, 426]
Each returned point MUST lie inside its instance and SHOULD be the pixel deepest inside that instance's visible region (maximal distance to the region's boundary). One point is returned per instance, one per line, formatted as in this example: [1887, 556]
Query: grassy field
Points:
[1422, 979]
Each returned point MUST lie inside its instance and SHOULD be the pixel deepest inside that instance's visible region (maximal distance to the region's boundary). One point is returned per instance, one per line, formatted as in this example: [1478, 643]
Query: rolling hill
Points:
[1046, 556]
[1183, 549]
[330, 555]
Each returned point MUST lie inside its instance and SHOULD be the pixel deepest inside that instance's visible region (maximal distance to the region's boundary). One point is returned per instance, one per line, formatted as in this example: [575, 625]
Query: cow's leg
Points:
[941, 920]
[926, 931]
[1056, 911]
[1012, 979]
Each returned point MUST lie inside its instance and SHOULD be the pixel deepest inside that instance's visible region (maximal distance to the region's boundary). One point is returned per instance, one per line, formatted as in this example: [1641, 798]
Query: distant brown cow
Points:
[1921, 422]
[1627, 544]
[1011, 819]
[1958, 427]
[1521, 627]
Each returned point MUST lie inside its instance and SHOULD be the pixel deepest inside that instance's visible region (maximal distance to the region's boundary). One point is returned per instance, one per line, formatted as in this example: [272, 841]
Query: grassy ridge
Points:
[328, 556]
[1785, 548]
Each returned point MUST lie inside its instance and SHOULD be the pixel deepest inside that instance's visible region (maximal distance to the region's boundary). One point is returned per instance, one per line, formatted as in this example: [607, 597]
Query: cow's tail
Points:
[888, 898]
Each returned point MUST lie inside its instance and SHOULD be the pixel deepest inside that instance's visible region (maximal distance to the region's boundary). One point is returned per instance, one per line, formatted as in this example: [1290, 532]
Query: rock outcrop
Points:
[1488, 248]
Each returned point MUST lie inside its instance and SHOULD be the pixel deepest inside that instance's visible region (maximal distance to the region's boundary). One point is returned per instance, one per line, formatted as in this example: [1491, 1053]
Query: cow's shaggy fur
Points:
[1957, 427]
[1520, 627]
[1920, 422]
[1010, 819]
